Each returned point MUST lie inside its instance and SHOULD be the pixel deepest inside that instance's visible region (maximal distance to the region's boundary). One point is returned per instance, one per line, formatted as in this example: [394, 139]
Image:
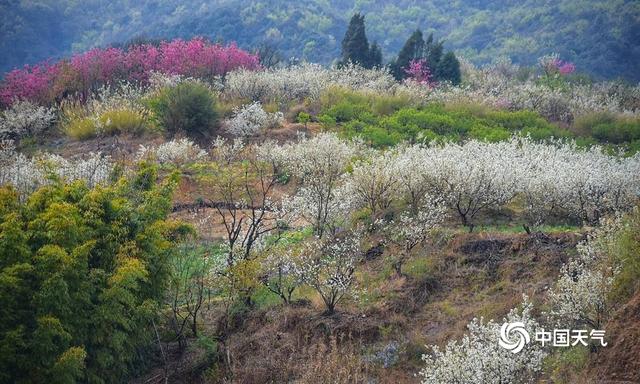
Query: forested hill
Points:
[601, 36]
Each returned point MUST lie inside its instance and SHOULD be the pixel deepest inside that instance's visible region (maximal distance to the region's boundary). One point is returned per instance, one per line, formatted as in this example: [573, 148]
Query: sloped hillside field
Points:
[188, 212]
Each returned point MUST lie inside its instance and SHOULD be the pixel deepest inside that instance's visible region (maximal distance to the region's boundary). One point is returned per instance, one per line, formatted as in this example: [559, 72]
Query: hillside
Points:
[601, 37]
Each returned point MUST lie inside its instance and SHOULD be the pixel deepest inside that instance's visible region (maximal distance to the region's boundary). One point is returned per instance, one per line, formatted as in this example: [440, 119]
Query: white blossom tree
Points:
[328, 266]
[374, 182]
[319, 164]
[25, 118]
[478, 358]
[580, 296]
[412, 229]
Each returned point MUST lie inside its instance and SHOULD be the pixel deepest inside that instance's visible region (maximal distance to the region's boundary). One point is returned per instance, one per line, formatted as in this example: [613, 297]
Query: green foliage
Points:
[81, 275]
[479, 30]
[81, 128]
[609, 128]
[626, 251]
[187, 108]
[355, 46]
[448, 69]
[384, 121]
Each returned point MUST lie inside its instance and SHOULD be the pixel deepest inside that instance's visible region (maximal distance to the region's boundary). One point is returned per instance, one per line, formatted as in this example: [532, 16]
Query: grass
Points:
[515, 229]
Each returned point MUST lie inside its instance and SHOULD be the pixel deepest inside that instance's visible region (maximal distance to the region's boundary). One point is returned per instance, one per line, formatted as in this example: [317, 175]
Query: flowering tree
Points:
[411, 230]
[419, 72]
[28, 174]
[328, 266]
[250, 119]
[85, 72]
[580, 296]
[478, 358]
[374, 182]
[472, 176]
[24, 118]
[552, 65]
[180, 151]
[319, 163]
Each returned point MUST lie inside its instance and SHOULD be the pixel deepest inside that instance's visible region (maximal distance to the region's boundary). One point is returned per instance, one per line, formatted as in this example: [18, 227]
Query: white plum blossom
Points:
[226, 152]
[478, 358]
[179, 151]
[25, 118]
[250, 119]
[412, 228]
[375, 181]
[319, 164]
[328, 266]
[28, 174]
[302, 81]
[580, 296]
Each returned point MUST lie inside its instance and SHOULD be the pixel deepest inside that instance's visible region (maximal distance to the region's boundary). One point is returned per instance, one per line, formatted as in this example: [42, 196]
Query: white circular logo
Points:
[510, 331]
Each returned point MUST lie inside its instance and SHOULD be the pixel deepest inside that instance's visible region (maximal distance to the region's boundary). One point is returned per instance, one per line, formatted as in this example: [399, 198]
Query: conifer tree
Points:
[412, 50]
[355, 46]
[375, 56]
[448, 69]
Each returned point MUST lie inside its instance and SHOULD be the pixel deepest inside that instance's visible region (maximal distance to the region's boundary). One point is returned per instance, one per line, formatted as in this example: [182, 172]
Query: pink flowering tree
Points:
[552, 65]
[83, 73]
[418, 71]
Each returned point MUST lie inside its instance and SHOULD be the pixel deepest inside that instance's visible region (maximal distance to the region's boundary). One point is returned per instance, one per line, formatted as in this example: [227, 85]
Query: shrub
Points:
[188, 108]
[24, 119]
[250, 119]
[609, 128]
[123, 121]
[70, 250]
[81, 128]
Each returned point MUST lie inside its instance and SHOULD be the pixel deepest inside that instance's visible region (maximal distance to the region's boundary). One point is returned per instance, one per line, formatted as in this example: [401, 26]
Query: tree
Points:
[448, 69]
[328, 266]
[432, 52]
[478, 358]
[411, 50]
[82, 273]
[411, 230]
[319, 163]
[375, 56]
[355, 46]
[241, 192]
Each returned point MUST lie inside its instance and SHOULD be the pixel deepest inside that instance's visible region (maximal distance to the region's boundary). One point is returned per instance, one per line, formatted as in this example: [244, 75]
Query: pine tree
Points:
[355, 46]
[448, 69]
[412, 50]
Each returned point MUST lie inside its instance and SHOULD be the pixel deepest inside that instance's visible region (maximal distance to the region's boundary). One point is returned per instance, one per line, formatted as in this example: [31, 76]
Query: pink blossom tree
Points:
[419, 72]
[83, 73]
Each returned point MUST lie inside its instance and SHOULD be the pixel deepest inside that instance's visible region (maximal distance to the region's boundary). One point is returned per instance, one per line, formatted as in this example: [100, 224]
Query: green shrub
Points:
[609, 128]
[188, 108]
[123, 121]
[80, 128]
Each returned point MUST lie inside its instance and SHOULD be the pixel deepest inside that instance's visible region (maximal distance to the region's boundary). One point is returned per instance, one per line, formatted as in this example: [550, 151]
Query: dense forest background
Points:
[601, 37]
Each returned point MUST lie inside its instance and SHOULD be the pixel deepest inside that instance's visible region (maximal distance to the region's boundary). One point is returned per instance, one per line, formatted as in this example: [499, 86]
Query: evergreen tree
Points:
[355, 46]
[412, 50]
[433, 50]
[375, 56]
[448, 69]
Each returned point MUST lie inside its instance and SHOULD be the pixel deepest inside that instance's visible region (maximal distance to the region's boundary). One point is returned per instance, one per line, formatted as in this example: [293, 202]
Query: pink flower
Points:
[419, 71]
[84, 72]
[566, 68]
